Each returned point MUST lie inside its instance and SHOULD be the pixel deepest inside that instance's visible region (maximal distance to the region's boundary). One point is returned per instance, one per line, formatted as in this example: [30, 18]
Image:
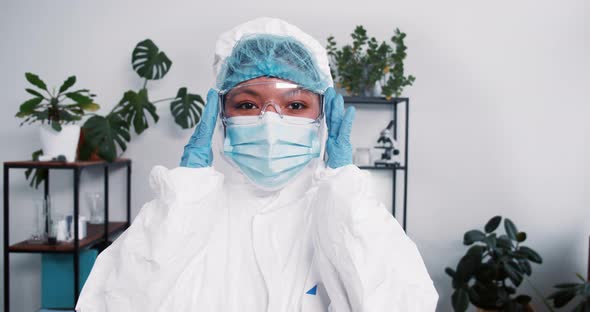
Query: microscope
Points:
[388, 144]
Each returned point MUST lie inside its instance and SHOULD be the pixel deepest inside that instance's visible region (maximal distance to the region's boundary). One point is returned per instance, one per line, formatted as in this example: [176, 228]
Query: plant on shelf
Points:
[103, 134]
[365, 64]
[57, 111]
[489, 274]
[49, 107]
[567, 292]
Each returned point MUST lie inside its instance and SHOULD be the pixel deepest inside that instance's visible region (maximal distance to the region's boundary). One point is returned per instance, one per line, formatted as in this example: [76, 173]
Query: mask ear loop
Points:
[323, 106]
[221, 103]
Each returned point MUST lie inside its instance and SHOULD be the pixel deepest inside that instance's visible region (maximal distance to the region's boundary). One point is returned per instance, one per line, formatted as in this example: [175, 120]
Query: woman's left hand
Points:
[339, 124]
[197, 152]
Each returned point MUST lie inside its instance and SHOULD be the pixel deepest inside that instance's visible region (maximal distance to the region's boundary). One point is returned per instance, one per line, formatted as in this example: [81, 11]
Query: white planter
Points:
[56, 143]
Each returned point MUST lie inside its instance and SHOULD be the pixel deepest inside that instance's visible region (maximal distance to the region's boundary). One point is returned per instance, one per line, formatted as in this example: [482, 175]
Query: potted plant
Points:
[57, 111]
[101, 136]
[489, 274]
[369, 68]
[567, 292]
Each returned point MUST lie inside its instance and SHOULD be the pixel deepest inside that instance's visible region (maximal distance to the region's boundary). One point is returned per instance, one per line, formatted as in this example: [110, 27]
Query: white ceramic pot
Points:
[56, 143]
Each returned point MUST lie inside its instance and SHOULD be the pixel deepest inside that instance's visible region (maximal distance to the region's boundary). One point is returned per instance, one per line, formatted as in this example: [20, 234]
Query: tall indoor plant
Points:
[104, 135]
[494, 266]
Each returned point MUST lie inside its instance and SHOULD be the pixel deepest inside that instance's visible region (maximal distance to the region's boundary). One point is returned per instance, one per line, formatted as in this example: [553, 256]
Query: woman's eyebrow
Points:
[247, 91]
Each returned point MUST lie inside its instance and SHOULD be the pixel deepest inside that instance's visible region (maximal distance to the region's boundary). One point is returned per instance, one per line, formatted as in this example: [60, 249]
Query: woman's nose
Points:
[271, 107]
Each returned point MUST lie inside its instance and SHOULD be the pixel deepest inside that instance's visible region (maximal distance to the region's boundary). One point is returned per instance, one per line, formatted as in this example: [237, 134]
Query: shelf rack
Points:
[403, 167]
[95, 232]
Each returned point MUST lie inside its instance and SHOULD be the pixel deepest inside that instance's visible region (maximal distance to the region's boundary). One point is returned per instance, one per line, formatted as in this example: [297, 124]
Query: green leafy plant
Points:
[567, 292]
[359, 66]
[493, 268]
[55, 108]
[52, 107]
[104, 134]
[36, 175]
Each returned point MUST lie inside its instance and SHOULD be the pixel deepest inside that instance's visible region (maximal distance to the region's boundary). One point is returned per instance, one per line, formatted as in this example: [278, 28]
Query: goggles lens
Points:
[283, 98]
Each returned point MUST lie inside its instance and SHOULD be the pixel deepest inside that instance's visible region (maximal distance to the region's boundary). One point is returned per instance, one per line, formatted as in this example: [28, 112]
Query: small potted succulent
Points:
[489, 274]
[57, 111]
[369, 68]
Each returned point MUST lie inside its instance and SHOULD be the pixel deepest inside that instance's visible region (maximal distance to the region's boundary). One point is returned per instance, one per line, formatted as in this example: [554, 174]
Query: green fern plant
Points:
[359, 66]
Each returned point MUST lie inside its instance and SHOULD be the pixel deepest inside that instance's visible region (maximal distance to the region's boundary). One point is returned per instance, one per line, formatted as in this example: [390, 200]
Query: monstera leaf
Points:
[105, 133]
[186, 108]
[133, 107]
[149, 62]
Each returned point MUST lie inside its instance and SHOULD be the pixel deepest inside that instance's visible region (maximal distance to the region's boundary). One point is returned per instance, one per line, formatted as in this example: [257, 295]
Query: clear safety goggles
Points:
[249, 102]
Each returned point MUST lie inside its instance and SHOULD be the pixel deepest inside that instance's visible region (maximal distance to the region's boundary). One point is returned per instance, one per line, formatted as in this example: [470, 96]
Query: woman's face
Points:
[251, 97]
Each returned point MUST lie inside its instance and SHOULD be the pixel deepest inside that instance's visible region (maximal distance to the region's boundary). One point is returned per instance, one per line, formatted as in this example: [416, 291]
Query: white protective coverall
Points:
[212, 241]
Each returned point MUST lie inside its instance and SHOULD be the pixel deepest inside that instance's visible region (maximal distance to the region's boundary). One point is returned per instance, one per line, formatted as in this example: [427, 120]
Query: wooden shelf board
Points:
[383, 167]
[373, 100]
[62, 164]
[95, 233]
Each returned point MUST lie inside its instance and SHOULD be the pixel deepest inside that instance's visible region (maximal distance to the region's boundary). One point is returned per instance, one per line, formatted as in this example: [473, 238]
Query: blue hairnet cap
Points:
[271, 55]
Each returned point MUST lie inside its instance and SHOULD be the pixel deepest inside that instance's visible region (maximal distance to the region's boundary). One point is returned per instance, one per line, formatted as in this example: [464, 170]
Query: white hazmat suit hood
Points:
[223, 50]
[210, 240]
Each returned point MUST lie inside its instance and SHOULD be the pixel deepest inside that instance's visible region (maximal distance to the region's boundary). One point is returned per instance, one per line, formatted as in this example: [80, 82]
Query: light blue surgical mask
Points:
[271, 151]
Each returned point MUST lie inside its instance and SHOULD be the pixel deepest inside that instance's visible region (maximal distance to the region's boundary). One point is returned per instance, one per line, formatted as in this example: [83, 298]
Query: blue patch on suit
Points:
[313, 290]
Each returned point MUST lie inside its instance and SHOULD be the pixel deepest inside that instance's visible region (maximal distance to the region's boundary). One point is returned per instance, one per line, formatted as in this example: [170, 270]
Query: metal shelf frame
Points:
[77, 168]
[394, 103]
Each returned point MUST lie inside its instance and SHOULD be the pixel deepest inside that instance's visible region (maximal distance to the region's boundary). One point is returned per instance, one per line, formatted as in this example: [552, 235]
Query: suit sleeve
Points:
[366, 260]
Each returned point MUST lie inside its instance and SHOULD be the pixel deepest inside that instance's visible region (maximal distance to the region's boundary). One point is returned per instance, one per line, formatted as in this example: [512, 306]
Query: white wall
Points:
[498, 116]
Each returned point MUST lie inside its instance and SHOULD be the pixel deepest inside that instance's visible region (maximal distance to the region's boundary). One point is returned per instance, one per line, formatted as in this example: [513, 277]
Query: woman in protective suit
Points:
[292, 226]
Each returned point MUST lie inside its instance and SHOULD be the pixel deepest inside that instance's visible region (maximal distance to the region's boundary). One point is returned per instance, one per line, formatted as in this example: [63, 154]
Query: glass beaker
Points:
[362, 156]
[96, 202]
[41, 231]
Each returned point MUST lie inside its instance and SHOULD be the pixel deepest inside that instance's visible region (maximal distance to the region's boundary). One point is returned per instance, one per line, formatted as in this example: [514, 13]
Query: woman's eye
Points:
[296, 106]
[246, 105]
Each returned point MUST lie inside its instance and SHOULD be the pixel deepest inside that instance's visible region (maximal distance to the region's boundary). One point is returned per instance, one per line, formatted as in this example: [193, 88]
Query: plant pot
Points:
[55, 143]
[373, 91]
[369, 91]
[93, 155]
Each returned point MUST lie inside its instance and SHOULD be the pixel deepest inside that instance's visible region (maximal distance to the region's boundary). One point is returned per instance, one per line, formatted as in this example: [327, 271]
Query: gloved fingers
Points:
[336, 116]
[329, 96]
[209, 116]
[346, 126]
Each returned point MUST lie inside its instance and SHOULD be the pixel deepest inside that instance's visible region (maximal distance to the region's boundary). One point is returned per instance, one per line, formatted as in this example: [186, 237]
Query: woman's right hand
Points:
[197, 152]
[339, 123]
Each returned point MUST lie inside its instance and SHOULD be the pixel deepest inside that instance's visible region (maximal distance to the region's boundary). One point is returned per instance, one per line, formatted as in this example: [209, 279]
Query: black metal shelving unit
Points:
[394, 103]
[95, 233]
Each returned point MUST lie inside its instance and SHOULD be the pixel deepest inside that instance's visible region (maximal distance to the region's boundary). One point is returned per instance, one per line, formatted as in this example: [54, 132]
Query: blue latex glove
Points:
[339, 124]
[197, 152]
